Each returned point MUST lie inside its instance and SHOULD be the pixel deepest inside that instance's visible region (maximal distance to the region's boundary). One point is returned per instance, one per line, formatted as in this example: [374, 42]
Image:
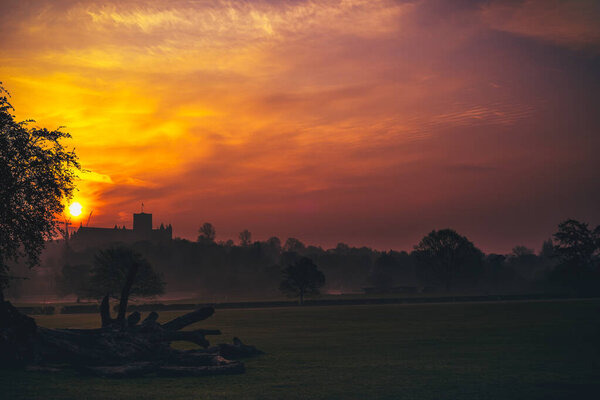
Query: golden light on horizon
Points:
[75, 209]
[286, 117]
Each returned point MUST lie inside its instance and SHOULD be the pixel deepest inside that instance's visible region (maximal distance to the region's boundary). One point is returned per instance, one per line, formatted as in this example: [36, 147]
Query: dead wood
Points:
[122, 347]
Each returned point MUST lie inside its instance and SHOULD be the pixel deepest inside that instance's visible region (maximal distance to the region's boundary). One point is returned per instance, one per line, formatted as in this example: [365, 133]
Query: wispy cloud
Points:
[269, 114]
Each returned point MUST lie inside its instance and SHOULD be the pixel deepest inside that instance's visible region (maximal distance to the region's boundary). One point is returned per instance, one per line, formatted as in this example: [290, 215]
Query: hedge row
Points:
[95, 308]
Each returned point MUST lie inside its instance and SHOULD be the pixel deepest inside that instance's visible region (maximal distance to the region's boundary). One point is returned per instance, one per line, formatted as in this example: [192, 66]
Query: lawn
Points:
[511, 350]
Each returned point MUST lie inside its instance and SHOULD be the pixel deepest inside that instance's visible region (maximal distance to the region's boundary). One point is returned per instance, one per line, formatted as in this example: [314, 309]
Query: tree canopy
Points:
[576, 243]
[74, 279]
[37, 173]
[245, 238]
[302, 278]
[207, 233]
[445, 256]
[577, 248]
[114, 265]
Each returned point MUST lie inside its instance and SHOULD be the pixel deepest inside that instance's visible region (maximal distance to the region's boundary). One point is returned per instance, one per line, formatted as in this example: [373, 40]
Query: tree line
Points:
[443, 261]
[38, 174]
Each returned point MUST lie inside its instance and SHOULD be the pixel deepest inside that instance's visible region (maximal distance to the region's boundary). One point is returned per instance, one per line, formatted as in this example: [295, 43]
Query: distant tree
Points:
[524, 261]
[207, 233]
[446, 256]
[302, 279]
[342, 248]
[498, 273]
[547, 250]
[74, 279]
[272, 250]
[294, 245]
[547, 259]
[577, 249]
[576, 243]
[119, 272]
[245, 238]
[274, 243]
[381, 275]
[522, 251]
[37, 174]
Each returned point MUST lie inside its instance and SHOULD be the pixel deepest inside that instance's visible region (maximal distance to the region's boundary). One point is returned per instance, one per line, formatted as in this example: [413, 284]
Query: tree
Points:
[302, 278]
[497, 271]
[522, 251]
[119, 272]
[576, 243]
[445, 256]
[524, 261]
[577, 249]
[294, 245]
[74, 279]
[381, 274]
[38, 174]
[274, 243]
[245, 238]
[547, 250]
[207, 233]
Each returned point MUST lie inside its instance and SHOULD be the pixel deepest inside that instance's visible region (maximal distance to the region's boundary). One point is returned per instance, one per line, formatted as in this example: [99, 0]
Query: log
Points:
[196, 336]
[17, 336]
[133, 318]
[119, 348]
[236, 350]
[189, 318]
[152, 317]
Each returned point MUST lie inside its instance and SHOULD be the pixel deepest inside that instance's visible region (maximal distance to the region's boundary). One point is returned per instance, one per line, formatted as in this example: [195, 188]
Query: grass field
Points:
[513, 350]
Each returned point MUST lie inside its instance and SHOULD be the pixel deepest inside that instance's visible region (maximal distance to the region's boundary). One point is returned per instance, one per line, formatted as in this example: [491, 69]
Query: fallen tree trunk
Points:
[121, 347]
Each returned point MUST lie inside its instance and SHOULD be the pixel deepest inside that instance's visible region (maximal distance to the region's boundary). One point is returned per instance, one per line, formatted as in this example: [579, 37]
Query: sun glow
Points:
[75, 209]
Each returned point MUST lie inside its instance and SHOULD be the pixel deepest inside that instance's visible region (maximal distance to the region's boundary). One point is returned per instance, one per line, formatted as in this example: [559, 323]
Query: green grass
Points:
[519, 350]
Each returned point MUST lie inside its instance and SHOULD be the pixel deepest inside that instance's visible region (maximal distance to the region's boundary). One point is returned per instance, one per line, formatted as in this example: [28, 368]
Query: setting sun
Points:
[75, 209]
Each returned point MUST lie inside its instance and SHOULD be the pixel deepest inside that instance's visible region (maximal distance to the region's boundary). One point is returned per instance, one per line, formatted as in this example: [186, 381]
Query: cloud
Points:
[299, 117]
[568, 23]
[92, 176]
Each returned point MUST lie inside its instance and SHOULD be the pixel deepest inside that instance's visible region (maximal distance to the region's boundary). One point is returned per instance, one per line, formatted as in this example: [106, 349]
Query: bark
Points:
[120, 348]
[189, 318]
[105, 312]
[126, 290]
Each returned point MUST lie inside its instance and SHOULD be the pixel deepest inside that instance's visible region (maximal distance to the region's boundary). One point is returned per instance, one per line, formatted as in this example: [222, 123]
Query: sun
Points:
[75, 209]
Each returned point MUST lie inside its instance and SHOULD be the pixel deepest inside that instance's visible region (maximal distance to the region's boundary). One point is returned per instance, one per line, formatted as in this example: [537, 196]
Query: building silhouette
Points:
[142, 231]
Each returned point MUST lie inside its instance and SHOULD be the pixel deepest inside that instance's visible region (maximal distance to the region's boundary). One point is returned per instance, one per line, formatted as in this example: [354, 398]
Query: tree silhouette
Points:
[74, 279]
[274, 243]
[119, 272]
[37, 174]
[577, 248]
[445, 256]
[302, 278]
[576, 243]
[523, 261]
[245, 238]
[207, 233]
[294, 245]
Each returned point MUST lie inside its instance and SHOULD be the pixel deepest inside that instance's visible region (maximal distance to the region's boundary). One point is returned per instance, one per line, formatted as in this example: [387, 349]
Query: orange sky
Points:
[367, 122]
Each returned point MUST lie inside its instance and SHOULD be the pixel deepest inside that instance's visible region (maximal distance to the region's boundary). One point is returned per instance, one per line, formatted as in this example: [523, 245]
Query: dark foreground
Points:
[518, 350]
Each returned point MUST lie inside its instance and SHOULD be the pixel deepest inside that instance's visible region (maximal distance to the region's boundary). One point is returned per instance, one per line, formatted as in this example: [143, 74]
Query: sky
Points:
[358, 121]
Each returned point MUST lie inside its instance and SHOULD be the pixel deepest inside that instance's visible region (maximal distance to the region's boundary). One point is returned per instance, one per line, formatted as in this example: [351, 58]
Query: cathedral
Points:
[142, 231]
